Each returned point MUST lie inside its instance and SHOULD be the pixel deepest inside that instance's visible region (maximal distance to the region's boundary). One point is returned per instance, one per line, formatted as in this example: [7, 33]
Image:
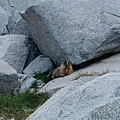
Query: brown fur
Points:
[64, 69]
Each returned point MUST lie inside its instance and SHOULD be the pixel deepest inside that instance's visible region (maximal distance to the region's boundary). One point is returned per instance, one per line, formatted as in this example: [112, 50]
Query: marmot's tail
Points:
[50, 73]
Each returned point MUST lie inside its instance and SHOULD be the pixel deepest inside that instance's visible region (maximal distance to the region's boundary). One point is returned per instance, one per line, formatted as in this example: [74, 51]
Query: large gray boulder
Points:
[98, 99]
[40, 64]
[77, 30]
[4, 18]
[14, 50]
[8, 78]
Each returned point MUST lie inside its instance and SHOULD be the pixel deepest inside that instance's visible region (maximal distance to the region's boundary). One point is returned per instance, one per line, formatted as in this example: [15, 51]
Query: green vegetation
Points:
[21, 105]
[42, 76]
[34, 85]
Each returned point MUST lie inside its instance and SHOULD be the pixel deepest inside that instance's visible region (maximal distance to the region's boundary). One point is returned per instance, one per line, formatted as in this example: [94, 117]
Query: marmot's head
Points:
[66, 63]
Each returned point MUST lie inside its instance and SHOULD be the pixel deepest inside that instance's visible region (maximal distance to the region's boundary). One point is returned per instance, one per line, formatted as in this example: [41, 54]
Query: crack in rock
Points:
[10, 4]
[112, 14]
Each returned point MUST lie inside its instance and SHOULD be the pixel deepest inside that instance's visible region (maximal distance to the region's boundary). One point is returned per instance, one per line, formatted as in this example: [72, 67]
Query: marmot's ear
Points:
[64, 62]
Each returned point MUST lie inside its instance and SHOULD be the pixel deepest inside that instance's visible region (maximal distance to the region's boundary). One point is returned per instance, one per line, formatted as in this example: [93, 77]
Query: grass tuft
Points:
[34, 85]
[21, 105]
[42, 76]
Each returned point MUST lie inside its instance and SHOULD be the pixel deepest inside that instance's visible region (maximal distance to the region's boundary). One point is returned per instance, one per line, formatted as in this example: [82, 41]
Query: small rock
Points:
[12, 119]
[21, 77]
[39, 65]
[39, 82]
[40, 86]
[26, 84]
[32, 90]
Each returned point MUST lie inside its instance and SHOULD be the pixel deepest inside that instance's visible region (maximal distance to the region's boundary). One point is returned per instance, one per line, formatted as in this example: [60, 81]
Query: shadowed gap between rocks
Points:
[84, 64]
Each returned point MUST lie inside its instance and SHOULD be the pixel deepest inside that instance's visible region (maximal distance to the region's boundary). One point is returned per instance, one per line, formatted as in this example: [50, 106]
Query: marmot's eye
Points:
[68, 62]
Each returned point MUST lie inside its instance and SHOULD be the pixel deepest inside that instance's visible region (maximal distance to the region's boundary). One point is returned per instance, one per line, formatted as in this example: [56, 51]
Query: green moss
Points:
[21, 105]
[42, 76]
[34, 85]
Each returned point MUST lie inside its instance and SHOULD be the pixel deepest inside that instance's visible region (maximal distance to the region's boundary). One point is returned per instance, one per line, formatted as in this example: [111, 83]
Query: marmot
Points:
[64, 69]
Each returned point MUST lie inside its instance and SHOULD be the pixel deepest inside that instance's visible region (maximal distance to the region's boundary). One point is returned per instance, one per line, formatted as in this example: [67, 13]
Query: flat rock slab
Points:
[14, 50]
[38, 65]
[8, 78]
[78, 30]
[55, 85]
[81, 102]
